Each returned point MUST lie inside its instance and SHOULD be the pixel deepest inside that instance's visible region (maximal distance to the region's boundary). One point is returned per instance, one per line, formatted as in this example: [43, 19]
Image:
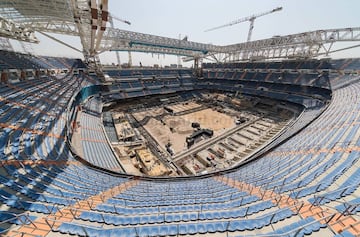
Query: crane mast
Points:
[251, 19]
[111, 20]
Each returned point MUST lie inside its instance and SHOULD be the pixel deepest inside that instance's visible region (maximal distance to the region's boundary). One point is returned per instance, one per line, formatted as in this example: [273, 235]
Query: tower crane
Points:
[112, 17]
[251, 19]
[111, 20]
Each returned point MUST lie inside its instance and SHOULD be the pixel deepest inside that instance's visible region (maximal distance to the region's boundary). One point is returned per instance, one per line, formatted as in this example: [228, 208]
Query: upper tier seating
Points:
[12, 60]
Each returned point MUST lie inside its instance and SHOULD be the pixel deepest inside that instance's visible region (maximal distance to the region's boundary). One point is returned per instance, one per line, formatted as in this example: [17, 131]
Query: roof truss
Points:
[87, 19]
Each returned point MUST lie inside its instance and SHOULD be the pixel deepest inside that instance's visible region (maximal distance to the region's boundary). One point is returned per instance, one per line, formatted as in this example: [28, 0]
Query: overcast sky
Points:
[192, 17]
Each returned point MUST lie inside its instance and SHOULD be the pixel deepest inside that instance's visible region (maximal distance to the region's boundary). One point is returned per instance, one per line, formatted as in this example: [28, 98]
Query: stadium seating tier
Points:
[309, 185]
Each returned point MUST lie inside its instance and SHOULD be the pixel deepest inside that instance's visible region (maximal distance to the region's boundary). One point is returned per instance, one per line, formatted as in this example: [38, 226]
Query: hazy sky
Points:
[192, 17]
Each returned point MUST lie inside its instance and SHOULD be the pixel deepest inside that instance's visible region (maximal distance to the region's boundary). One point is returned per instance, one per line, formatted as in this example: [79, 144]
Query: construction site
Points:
[175, 136]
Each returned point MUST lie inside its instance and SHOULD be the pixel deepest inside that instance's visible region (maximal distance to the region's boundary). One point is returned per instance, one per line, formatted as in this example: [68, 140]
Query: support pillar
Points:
[37, 74]
[197, 68]
[22, 75]
[4, 77]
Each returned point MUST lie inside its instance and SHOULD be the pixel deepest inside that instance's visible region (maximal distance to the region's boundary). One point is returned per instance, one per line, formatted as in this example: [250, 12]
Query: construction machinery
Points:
[251, 19]
[112, 17]
[111, 20]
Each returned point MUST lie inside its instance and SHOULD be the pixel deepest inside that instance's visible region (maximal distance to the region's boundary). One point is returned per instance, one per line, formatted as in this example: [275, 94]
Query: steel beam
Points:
[307, 44]
[302, 45]
[11, 30]
[75, 17]
[112, 37]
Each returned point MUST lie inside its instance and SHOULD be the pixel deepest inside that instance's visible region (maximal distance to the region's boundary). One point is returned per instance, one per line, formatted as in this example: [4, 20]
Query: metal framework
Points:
[121, 40]
[303, 45]
[11, 30]
[42, 15]
[88, 20]
[111, 21]
[70, 17]
[251, 19]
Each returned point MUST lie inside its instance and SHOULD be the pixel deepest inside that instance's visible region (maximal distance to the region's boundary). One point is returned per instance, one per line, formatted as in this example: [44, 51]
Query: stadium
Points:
[259, 138]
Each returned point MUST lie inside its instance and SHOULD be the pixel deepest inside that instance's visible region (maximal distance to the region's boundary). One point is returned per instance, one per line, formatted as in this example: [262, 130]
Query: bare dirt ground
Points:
[211, 119]
[153, 112]
[181, 126]
[184, 106]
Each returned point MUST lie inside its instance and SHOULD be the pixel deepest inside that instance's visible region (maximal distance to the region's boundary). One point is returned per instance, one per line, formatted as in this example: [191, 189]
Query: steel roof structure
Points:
[116, 39]
[88, 19]
[51, 16]
[302, 45]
